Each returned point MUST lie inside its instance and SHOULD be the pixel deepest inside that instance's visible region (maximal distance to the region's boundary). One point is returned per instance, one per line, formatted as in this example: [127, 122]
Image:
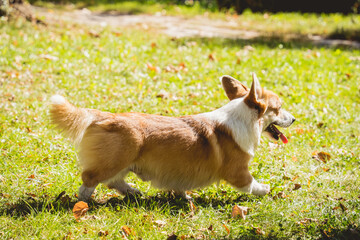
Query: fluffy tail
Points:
[71, 120]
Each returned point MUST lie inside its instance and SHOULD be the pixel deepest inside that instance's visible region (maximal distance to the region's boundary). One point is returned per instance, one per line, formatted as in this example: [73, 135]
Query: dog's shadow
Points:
[31, 205]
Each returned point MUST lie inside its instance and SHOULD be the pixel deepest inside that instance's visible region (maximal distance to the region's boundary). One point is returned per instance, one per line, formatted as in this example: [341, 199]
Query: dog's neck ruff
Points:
[242, 121]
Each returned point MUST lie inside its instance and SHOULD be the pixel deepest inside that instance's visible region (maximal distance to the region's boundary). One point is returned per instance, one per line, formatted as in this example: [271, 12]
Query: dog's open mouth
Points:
[276, 134]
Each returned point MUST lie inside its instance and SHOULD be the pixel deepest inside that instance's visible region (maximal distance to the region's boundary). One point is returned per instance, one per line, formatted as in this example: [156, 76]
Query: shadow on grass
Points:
[63, 202]
[273, 42]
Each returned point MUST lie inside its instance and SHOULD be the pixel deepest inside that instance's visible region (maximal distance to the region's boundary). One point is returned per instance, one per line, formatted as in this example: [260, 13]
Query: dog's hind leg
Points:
[85, 193]
[89, 184]
[120, 185]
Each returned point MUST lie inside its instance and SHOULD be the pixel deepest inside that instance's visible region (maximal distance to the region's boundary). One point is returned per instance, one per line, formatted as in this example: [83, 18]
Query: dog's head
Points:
[265, 103]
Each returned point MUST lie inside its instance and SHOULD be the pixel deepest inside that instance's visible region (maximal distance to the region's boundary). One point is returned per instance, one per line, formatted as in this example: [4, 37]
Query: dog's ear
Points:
[233, 88]
[255, 99]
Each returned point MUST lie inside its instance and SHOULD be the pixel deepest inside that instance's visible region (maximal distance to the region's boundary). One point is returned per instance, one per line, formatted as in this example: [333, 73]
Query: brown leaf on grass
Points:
[102, 233]
[127, 230]
[239, 211]
[294, 178]
[94, 34]
[32, 176]
[153, 45]
[342, 206]
[163, 94]
[175, 69]
[299, 131]
[297, 186]
[280, 195]
[80, 210]
[316, 54]
[153, 68]
[285, 177]
[68, 236]
[118, 34]
[31, 194]
[321, 156]
[212, 57]
[226, 228]
[258, 231]
[172, 237]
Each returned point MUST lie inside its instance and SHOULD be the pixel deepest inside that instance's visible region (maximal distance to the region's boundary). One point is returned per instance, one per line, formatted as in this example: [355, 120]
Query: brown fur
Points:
[189, 150]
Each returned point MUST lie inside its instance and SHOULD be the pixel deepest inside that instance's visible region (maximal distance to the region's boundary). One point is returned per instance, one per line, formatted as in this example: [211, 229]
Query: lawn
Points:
[315, 180]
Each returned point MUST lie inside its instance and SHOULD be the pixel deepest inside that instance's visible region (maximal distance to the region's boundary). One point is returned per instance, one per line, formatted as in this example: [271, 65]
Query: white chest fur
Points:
[241, 121]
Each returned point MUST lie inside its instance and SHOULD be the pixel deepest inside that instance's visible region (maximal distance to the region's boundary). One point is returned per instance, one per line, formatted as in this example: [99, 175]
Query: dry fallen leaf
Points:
[102, 233]
[280, 195]
[163, 94]
[212, 57]
[80, 209]
[294, 178]
[172, 237]
[321, 156]
[258, 231]
[226, 228]
[299, 131]
[342, 206]
[297, 186]
[153, 68]
[128, 231]
[94, 34]
[239, 211]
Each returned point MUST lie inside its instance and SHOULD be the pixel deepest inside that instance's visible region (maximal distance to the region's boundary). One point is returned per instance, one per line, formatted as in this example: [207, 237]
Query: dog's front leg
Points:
[256, 188]
[242, 180]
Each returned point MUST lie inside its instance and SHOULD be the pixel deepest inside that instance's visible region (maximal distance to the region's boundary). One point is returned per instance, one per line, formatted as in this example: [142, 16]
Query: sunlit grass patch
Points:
[127, 70]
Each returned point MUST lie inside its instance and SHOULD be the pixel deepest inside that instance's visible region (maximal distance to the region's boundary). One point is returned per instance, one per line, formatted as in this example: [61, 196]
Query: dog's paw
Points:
[260, 189]
[133, 191]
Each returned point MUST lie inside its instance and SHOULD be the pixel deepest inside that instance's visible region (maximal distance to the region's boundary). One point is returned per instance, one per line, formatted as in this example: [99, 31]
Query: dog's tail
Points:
[71, 120]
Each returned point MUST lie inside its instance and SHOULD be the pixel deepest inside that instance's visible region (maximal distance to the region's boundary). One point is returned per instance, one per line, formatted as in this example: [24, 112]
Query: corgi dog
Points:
[174, 153]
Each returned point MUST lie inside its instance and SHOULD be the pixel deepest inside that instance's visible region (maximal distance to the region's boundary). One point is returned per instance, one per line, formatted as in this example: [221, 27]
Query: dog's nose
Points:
[293, 120]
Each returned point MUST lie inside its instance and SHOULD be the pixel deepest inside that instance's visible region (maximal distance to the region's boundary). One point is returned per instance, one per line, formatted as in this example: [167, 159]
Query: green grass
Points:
[319, 86]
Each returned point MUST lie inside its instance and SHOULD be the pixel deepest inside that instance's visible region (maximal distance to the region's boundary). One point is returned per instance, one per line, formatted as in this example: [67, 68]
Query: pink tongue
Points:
[283, 138]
